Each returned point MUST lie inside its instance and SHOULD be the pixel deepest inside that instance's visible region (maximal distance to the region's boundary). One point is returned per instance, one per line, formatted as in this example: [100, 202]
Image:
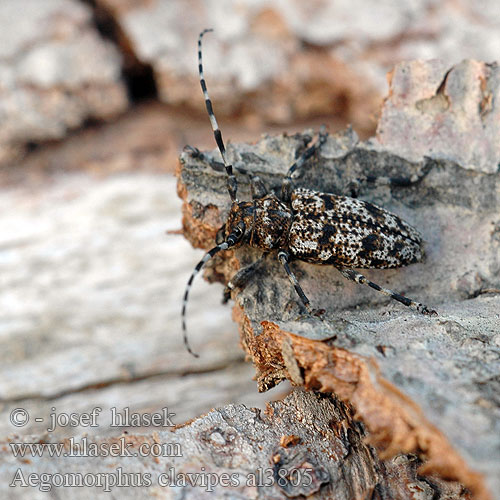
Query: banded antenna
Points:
[231, 240]
[232, 185]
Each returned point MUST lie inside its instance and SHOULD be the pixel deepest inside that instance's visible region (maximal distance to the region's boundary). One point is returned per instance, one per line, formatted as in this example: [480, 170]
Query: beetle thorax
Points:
[267, 221]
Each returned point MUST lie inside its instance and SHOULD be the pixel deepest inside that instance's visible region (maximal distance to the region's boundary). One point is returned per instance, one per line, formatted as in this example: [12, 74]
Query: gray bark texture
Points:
[306, 445]
[281, 62]
[91, 285]
[91, 290]
[55, 73]
[424, 385]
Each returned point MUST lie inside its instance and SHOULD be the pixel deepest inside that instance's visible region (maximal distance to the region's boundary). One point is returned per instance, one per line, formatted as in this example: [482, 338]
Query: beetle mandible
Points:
[319, 228]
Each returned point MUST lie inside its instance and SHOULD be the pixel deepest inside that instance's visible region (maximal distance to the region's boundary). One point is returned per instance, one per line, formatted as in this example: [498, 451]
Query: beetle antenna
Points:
[197, 269]
[232, 185]
[231, 240]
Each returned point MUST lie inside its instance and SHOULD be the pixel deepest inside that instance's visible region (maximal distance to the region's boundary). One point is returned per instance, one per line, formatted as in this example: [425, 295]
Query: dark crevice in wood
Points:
[137, 75]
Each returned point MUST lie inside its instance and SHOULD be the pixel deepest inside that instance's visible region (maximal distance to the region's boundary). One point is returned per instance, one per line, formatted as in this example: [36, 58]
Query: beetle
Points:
[314, 227]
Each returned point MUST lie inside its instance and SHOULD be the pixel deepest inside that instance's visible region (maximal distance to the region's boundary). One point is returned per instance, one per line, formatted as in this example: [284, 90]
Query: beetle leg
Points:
[240, 279]
[257, 187]
[284, 258]
[362, 280]
[286, 187]
[256, 184]
[196, 153]
[404, 181]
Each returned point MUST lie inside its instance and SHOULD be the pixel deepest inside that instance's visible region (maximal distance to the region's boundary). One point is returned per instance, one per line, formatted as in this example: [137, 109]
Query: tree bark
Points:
[424, 385]
[307, 445]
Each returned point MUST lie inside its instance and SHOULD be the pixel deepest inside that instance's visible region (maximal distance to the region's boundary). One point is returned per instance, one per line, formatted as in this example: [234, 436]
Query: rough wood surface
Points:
[63, 62]
[281, 62]
[423, 385]
[305, 445]
[90, 303]
[56, 72]
[450, 112]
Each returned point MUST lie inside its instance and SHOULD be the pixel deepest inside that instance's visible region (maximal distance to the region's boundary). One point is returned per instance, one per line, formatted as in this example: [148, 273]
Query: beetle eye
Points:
[221, 235]
[236, 234]
[239, 230]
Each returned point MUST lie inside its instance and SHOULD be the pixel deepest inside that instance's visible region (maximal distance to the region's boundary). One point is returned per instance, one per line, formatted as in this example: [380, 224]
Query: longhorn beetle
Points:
[319, 228]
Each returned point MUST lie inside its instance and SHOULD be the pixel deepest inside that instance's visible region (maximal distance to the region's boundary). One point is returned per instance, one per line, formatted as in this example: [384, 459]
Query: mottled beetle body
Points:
[322, 228]
[306, 225]
[346, 232]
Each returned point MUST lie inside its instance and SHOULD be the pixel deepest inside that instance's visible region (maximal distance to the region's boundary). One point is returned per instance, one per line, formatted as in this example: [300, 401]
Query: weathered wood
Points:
[423, 385]
[306, 444]
[429, 110]
[56, 72]
[90, 300]
[282, 62]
